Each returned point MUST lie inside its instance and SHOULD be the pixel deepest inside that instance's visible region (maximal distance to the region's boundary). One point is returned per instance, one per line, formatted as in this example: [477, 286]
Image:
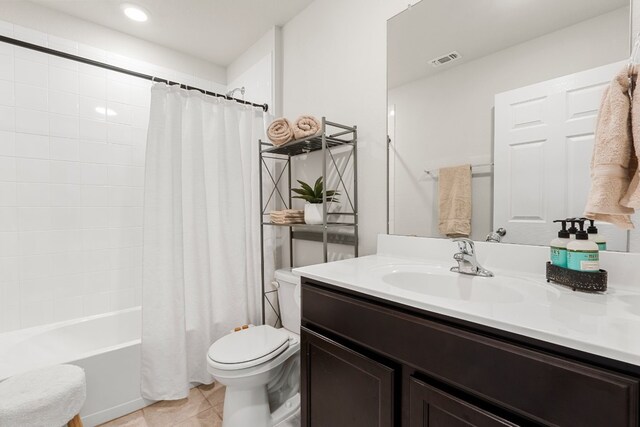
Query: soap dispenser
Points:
[582, 253]
[559, 246]
[594, 236]
[572, 230]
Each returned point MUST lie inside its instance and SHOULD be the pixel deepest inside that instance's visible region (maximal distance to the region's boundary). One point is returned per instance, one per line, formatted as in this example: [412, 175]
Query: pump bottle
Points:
[559, 246]
[598, 238]
[572, 230]
[582, 253]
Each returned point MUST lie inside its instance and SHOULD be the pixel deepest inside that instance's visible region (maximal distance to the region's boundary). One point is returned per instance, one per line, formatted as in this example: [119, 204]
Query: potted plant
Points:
[313, 210]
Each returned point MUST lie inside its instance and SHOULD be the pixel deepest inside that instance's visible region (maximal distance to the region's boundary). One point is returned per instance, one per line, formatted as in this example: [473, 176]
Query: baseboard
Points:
[98, 418]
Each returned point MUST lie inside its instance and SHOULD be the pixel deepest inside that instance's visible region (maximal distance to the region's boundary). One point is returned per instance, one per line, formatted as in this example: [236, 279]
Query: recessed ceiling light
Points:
[135, 13]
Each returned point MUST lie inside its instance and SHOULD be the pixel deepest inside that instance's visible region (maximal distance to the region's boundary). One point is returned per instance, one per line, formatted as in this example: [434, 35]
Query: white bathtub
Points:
[107, 346]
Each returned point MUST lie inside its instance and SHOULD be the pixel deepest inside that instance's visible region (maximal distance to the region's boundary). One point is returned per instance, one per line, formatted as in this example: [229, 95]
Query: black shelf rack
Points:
[338, 227]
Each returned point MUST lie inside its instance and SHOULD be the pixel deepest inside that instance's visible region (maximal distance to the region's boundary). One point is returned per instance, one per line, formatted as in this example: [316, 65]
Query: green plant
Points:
[314, 195]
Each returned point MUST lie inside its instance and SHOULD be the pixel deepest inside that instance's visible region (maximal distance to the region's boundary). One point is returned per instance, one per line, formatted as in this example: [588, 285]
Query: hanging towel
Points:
[306, 126]
[280, 132]
[632, 198]
[454, 189]
[611, 160]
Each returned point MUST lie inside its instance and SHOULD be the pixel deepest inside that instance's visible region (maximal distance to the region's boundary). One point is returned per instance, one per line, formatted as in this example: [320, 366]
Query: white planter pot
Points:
[313, 213]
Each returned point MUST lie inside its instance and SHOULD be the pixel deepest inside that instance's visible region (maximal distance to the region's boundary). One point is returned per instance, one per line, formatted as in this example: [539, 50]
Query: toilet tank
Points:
[289, 299]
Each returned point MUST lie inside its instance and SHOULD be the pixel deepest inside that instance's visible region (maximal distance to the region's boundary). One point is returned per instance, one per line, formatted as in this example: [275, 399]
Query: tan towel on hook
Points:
[454, 188]
[306, 126]
[280, 132]
[632, 198]
[612, 153]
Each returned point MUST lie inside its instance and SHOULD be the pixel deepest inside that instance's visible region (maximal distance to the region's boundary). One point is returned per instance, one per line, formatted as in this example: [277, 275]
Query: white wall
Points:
[167, 63]
[335, 66]
[256, 69]
[455, 125]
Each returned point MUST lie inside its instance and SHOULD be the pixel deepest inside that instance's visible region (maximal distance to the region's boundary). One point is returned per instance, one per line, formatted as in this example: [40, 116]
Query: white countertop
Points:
[606, 324]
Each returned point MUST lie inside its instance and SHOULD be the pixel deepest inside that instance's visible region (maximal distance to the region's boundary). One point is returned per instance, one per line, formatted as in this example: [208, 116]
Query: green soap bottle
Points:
[558, 246]
[598, 238]
[583, 254]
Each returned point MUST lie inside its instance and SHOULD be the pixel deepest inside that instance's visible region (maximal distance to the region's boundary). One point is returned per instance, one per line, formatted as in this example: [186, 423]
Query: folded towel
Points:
[632, 198]
[610, 173]
[280, 132]
[454, 187]
[306, 126]
[287, 216]
[287, 213]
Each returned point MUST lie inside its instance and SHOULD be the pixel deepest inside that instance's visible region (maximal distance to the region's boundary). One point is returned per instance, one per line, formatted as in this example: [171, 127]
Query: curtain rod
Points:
[88, 61]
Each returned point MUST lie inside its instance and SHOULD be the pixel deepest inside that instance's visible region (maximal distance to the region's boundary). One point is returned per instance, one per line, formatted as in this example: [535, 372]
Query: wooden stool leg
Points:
[75, 422]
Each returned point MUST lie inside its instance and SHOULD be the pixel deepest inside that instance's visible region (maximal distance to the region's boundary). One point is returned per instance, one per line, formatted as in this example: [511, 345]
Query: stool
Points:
[51, 396]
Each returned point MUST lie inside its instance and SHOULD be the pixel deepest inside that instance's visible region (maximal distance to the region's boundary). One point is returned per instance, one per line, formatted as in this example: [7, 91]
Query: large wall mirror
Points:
[512, 88]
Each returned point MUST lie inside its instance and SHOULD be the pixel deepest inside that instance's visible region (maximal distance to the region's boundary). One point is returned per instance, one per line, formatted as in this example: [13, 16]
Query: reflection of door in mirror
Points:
[544, 135]
[444, 115]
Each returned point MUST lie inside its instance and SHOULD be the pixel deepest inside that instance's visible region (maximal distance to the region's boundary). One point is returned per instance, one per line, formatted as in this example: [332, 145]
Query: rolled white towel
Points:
[306, 126]
[280, 132]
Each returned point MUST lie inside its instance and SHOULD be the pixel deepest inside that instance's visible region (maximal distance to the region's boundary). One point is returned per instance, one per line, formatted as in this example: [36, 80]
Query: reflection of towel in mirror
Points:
[632, 198]
[611, 160]
[306, 126]
[454, 198]
[280, 132]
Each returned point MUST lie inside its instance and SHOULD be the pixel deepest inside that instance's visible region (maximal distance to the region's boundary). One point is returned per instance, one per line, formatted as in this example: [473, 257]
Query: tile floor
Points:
[203, 407]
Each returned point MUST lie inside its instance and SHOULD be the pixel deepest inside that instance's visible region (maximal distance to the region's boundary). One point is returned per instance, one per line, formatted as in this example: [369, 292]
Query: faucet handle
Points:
[466, 245]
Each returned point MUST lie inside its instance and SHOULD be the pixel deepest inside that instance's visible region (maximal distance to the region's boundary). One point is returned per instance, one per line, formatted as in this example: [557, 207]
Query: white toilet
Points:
[260, 366]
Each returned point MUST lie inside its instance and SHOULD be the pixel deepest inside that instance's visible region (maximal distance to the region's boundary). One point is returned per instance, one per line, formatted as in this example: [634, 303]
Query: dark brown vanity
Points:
[368, 362]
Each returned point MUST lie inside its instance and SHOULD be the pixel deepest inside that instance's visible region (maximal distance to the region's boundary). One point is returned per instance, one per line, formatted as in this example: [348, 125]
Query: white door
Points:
[544, 136]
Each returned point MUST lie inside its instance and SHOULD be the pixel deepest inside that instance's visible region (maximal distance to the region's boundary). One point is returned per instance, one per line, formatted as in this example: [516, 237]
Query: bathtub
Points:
[107, 346]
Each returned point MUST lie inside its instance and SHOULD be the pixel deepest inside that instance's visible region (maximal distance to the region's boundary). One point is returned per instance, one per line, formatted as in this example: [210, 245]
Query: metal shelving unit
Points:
[332, 137]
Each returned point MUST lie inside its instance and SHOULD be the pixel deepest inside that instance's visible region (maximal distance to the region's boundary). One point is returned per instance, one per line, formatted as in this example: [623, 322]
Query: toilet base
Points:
[250, 407]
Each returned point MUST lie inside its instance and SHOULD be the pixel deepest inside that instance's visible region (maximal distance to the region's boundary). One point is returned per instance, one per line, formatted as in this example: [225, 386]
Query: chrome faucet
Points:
[467, 262]
[496, 236]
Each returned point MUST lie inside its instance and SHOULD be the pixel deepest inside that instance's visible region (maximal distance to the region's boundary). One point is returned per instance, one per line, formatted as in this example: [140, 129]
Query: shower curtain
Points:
[201, 264]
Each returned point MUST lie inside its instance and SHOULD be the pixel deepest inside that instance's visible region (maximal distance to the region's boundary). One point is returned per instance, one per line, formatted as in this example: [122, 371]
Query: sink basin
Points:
[440, 283]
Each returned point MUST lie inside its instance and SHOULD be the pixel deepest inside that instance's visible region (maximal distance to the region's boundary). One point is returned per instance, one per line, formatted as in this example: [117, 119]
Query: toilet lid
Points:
[249, 347]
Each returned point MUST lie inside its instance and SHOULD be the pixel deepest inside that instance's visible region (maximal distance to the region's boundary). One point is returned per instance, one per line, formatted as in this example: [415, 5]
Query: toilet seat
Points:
[248, 348]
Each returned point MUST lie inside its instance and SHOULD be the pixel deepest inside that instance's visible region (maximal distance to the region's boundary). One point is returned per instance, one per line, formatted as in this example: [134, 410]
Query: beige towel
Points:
[306, 126]
[280, 132]
[454, 187]
[632, 198]
[611, 160]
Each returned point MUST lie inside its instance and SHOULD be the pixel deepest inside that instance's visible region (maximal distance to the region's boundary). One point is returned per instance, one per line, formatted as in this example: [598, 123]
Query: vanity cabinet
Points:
[373, 363]
[344, 387]
[431, 407]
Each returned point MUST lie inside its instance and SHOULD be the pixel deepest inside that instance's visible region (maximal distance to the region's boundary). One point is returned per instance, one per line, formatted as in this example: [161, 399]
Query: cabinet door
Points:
[430, 407]
[343, 388]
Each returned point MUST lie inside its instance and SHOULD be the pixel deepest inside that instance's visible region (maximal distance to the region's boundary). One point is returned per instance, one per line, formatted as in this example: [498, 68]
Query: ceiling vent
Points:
[450, 57]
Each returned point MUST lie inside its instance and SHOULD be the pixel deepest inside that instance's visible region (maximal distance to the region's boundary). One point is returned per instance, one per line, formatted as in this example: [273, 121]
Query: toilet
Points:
[260, 365]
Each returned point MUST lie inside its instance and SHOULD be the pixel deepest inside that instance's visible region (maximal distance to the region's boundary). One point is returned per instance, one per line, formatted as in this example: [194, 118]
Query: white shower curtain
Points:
[201, 265]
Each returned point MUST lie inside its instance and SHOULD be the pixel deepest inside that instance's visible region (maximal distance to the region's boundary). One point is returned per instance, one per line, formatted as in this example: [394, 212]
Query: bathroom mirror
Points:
[511, 88]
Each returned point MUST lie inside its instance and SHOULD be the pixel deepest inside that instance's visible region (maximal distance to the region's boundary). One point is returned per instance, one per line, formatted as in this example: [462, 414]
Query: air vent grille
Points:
[445, 59]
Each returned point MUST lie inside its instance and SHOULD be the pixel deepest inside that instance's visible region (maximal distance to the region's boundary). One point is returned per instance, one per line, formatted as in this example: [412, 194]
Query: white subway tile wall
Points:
[72, 152]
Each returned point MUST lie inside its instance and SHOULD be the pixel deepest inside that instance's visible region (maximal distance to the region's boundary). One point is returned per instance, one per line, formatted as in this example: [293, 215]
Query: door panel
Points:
[431, 407]
[342, 387]
[544, 135]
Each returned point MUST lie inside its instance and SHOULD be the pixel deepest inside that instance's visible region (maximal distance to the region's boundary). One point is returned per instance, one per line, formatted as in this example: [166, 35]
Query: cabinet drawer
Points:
[342, 387]
[430, 407]
[548, 389]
